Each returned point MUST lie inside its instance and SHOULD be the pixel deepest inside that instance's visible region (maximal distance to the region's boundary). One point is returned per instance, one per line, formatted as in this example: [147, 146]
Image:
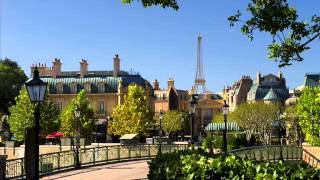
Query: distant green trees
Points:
[87, 118]
[256, 119]
[174, 121]
[12, 79]
[22, 116]
[134, 115]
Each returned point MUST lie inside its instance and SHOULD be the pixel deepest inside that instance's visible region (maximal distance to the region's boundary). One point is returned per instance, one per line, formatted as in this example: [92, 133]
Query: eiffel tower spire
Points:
[199, 82]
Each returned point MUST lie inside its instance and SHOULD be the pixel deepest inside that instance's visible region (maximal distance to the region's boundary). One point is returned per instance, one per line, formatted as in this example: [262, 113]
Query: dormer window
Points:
[60, 88]
[74, 89]
[101, 87]
[87, 87]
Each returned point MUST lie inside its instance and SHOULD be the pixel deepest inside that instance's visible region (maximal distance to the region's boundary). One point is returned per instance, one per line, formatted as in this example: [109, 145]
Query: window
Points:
[87, 87]
[59, 106]
[101, 87]
[60, 88]
[101, 107]
[74, 88]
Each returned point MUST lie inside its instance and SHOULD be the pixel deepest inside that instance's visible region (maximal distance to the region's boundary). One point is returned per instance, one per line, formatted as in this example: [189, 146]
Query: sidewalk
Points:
[119, 171]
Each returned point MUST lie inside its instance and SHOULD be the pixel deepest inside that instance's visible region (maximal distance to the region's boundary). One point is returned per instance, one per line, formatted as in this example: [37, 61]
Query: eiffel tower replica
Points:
[199, 83]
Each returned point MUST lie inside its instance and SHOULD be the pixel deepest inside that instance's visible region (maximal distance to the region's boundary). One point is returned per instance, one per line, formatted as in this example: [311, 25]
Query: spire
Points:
[199, 81]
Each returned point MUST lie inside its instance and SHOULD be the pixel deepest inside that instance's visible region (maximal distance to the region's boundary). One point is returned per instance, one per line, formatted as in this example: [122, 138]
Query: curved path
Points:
[118, 171]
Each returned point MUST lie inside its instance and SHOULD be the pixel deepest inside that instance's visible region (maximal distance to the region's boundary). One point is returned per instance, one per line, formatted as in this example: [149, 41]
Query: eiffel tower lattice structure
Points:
[199, 82]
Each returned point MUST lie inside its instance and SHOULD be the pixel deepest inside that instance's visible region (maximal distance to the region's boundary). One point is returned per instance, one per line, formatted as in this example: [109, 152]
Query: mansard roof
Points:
[271, 96]
[111, 83]
[312, 79]
[259, 92]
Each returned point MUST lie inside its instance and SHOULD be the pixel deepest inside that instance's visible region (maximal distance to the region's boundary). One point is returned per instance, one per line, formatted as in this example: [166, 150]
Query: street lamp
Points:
[193, 103]
[77, 116]
[225, 110]
[160, 132]
[36, 89]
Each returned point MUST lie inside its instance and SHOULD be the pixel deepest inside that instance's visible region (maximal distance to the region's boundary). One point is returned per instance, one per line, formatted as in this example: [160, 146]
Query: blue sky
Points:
[158, 43]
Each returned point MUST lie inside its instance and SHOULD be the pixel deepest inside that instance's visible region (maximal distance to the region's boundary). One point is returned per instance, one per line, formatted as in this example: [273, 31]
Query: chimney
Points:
[83, 68]
[156, 84]
[170, 83]
[280, 75]
[56, 67]
[258, 77]
[116, 66]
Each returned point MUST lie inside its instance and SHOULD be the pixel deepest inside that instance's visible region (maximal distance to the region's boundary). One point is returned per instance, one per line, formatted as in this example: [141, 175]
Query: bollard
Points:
[3, 166]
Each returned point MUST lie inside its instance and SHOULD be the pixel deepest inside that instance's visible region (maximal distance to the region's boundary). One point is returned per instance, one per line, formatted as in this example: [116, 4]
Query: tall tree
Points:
[22, 116]
[87, 119]
[308, 111]
[174, 121]
[163, 3]
[291, 36]
[12, 78]
[134, 115]
[256, 119]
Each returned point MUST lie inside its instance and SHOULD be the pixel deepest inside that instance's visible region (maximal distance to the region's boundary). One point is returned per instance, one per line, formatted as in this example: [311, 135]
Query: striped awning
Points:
[231, 126]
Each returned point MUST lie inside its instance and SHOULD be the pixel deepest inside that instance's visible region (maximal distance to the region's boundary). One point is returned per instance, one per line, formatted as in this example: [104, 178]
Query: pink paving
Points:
[120, 171]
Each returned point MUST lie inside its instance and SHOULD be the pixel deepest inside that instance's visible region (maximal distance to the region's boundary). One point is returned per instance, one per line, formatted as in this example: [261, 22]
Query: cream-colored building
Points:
[105, 89]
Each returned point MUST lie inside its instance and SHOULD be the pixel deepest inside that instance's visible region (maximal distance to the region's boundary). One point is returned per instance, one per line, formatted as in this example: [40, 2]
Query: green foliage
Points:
[308, 107]
[22, 116]
[134, 115]
[256, 118]
[87, 119]
[12, 78]
[293, 127]
[174, 121]
[168, 165]
[208, 142]
[199, 165]
[163, 3]
[291, 36]
[219, 118]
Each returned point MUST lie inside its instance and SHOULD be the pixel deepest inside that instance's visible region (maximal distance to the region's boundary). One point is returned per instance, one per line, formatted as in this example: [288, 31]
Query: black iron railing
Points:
[58, 161]
[270, 153]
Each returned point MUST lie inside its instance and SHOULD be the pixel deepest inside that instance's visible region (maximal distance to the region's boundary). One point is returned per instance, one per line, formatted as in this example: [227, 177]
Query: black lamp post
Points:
[193, 103]
[160, 131]
[225, 110]
[36, 89]
[77, 116]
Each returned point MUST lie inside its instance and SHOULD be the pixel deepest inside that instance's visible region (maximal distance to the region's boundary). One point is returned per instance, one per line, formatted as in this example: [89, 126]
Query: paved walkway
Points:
[119, 171]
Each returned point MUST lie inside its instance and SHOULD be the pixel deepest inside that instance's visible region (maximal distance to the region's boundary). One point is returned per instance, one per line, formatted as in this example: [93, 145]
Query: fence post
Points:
[3, 164]
[140, 149]
[59, 160]
[107, 150]
[129, 151]
[149, 149]
[118, 152]
[94, 155]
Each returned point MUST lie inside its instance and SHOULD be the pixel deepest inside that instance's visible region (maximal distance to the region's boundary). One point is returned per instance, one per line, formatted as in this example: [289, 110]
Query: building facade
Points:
[269, 88]
[237, 93]
[105, 89]
[169, 98]
[209, 105]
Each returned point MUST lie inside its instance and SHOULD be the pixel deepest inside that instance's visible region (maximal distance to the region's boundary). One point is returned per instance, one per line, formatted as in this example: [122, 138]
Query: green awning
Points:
[231, 126]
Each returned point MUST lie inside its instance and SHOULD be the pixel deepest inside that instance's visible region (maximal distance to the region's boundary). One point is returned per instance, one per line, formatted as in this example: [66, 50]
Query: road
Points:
[119, 171]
